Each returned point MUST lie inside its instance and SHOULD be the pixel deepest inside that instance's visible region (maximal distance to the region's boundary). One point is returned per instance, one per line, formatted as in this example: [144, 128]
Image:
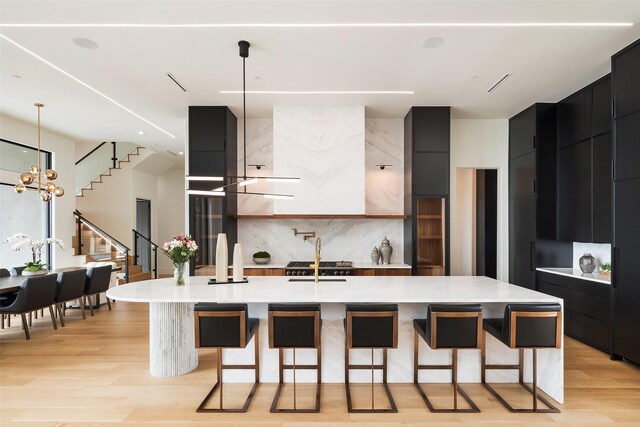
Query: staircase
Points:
[108, 172]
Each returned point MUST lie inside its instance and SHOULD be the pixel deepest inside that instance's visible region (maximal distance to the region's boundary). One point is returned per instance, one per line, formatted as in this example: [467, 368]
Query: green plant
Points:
[262, 254]
[605, 266]
[34, 266]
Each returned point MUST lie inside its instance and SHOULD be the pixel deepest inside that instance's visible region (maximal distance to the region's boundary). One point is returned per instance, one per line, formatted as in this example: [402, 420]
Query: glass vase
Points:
[178, 273]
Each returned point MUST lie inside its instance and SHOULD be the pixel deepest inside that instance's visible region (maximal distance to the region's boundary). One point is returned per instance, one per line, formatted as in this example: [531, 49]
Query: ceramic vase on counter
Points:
[238, 263]
[222, 259]
[375, 256]
[587, 263]
[386, 250]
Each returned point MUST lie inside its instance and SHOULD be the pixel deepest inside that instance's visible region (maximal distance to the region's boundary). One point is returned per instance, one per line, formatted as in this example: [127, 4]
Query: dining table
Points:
[12, 283]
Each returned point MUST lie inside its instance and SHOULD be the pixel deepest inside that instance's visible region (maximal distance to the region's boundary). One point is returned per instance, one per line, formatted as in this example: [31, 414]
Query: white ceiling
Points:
[130, 64]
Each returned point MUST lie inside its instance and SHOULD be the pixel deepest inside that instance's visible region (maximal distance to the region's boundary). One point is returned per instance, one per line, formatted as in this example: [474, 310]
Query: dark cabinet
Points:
[574, 192]
[601, 195]
[627, 146]
[625, 69]
[426, 189]
[586, 307]
[601, 118]
[574, 114]
[626, 257]
[532, 188]
[207, 128]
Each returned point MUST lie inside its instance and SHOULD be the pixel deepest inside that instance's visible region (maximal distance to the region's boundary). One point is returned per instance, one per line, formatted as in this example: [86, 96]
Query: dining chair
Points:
[35, 293]
[97, 281]
[4, 272]
[70, 286]
[3, 298]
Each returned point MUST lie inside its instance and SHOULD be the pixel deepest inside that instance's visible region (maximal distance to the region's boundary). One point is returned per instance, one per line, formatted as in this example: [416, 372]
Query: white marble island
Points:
[172, 349]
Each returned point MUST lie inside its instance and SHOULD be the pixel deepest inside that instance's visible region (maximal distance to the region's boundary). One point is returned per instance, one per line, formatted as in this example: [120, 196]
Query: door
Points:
[487, 222]
[143, 226]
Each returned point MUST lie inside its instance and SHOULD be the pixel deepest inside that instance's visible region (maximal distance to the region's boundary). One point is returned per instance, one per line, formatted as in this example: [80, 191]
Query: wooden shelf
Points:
[429, 216]
[430, 237]
[309, 216]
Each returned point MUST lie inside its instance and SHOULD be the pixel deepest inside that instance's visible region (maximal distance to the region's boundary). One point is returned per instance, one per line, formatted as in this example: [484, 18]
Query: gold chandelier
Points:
[47, 190]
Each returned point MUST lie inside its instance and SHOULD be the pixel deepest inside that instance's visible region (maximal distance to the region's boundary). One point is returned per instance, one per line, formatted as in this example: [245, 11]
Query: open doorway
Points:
[486, 222]
[143, 226]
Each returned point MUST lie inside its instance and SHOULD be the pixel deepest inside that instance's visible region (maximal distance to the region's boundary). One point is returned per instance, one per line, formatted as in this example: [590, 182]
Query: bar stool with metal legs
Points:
[455, 327]
[373, 326]
[524, 326]
[294, 326]
[224, 326]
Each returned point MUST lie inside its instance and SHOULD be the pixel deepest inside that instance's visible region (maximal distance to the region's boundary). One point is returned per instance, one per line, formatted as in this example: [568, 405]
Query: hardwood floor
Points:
[94, 372]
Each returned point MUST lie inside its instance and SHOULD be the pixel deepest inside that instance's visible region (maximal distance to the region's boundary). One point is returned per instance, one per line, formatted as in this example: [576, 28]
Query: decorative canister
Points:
[222, 259]
[375, 256]
[386, 250]
[587, 263]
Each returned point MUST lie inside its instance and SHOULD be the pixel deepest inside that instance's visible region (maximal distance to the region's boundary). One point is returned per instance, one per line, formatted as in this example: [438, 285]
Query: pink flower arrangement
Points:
[180, 248]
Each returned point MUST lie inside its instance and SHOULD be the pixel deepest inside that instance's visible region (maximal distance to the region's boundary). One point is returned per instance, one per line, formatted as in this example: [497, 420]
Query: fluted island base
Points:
[172, 349]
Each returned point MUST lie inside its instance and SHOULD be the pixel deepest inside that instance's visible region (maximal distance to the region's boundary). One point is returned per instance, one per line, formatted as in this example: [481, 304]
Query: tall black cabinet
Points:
[426, 192]
[532, 189]
[212, 148]
[626, 195]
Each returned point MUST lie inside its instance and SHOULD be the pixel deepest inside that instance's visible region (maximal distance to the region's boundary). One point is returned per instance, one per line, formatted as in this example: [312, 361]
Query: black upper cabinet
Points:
[574, 192]
[627, 157]
[207, 128]
[431, 173]
[431, 129]
[522, 175]
[602, 188]
[625, 66]
[522, 133]
[601, 118]
[574, 115]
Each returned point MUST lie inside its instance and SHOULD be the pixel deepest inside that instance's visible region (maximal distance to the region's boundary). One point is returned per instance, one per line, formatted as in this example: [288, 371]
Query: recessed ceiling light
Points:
[140, 132]
[473, 77]
[24, 151]
[257, 77]
[332, 25]
[181, 152]
[91, 88]
[433, 42]
[85, 43]
[322, 92]
[15, 76]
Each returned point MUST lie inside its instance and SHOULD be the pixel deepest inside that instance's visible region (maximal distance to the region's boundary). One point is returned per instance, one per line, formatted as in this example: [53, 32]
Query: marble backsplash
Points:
[600, 251]
[342, 239]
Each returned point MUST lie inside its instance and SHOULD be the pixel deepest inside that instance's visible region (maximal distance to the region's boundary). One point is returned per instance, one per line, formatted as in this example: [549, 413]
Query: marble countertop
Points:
[374, 289]
[577, 273]
[355, 265]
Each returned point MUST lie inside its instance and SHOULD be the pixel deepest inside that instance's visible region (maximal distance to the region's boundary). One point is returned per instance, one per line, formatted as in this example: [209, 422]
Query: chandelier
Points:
[35, 174]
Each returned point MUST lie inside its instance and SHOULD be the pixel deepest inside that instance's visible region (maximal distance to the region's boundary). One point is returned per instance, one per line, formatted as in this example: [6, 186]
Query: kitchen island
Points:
[171, 325]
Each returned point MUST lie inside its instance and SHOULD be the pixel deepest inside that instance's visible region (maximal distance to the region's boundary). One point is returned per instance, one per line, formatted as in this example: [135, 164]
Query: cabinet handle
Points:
[534, 142]
[614, 267]
[532, 251]
[613, 170]
[533, 186]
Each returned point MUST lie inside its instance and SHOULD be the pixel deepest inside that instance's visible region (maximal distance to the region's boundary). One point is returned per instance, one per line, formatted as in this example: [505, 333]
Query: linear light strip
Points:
[327, 25]
[206, 193]
[322, 92]
[203, 178]
[18, 45]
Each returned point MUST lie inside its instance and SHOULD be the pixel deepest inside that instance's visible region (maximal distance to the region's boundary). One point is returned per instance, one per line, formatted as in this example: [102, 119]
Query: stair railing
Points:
[100, 162]
[112, 241]
[152, 247]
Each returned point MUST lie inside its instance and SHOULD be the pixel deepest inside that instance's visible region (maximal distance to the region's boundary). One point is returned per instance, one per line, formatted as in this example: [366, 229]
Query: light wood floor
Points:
[94, 372]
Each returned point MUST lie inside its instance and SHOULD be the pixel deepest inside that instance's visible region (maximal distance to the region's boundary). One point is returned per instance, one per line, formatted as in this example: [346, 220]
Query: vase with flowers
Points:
[180, 249]
[24, 241]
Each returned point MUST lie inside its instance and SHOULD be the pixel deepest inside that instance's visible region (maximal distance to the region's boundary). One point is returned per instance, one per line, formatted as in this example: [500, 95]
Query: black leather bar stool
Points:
[373, 326]
[225, 326]
[455, 327]
[293, 326]
[524, 326]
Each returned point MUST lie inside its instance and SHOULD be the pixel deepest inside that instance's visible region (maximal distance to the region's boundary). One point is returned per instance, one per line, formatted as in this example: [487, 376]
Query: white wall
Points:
[64, 154]
[171, 213]
[478, 144]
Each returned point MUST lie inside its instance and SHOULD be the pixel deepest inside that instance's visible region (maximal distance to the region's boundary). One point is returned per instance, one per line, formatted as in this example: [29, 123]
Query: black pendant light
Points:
[245, 180]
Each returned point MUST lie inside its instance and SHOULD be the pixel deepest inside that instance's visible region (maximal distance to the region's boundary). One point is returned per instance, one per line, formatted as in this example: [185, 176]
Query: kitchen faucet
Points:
[316, 265]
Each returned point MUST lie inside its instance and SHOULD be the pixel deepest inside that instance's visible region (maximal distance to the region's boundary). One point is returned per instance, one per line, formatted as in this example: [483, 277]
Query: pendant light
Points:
[242, 182]
[48, 190]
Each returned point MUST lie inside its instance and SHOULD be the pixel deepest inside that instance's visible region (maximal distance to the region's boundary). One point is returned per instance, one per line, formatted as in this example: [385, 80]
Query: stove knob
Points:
[324, 273]
[336, 273]
[342, 273]
[302, 273]
[348, 273]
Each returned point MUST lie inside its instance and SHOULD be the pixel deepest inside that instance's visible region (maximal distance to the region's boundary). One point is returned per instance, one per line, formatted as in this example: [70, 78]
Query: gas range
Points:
[327, 268]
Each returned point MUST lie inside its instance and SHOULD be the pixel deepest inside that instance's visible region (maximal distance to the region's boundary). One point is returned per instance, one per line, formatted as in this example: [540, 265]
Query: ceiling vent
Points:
[499, 82]
[172, 153]
[173, 79]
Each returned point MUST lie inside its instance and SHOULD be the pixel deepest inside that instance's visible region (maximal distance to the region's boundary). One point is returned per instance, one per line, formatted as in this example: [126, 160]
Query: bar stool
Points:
[373, 326]
[455, 327]
[293, 326]
[224, 326]
[525, 326]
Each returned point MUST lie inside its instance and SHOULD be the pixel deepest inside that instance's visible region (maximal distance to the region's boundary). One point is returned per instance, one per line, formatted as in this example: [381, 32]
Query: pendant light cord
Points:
[244, 117]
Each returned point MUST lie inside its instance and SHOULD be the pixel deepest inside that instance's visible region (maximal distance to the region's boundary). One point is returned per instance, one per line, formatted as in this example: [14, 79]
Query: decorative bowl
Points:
[262, 260]
[34, 273]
